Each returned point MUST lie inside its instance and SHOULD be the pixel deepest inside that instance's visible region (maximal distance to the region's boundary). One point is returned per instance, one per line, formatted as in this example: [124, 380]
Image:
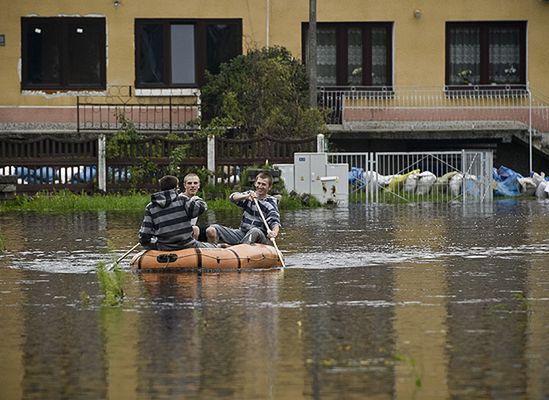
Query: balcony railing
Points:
[414, 107]
[164, 113]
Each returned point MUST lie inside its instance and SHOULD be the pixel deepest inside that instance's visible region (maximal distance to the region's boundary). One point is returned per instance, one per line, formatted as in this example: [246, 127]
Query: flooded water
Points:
[387, 302]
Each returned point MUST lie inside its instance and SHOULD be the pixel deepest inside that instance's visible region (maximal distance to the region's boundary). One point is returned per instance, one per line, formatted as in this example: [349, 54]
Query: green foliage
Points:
[217, 197]
[110, 283]
[177, 156]
[125, 144]
[126, 133]
[264, 92]
[296, 202]
[66, 201]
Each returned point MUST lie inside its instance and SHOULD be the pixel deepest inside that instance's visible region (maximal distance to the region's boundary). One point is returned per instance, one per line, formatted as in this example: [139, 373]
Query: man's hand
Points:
[273, 233]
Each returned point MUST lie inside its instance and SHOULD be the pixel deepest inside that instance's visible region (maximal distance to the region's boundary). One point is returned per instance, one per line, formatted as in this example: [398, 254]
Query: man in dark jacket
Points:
[167, 221]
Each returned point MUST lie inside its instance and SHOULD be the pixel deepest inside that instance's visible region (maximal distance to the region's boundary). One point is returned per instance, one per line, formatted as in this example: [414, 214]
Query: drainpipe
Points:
[267, 21]
[311, 54]
[101, 163]
[211, 159]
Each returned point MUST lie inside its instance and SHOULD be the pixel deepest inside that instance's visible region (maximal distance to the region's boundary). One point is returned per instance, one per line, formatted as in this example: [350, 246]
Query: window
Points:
[63, 53]
[356, 54]
[176, 53]
[485, 53]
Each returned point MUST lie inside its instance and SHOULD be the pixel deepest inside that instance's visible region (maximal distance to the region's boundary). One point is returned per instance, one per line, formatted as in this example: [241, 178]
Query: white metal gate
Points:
[464, 175]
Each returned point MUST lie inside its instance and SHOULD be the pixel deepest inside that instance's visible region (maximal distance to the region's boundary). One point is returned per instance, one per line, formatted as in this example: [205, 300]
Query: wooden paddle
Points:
[268, 231]
[122, 257]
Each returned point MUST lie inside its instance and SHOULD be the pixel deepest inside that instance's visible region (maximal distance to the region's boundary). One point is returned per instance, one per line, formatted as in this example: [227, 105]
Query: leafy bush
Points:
[264, 92]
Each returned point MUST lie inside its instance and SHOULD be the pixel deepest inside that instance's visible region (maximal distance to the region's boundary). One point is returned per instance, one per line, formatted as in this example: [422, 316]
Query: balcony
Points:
[444, 108]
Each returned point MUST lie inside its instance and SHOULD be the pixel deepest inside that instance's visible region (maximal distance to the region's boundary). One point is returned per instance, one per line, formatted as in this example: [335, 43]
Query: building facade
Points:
[375, 58]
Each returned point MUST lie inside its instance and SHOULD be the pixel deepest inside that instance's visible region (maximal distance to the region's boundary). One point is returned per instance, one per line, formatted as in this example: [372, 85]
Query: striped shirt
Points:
[252, 218]
[168, 218]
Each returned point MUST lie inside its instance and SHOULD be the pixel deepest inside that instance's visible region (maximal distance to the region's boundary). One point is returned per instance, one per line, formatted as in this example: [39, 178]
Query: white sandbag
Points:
[411, 183]
[471, 186]
[541, 191]
[455, 184]
[425, 182]
[373, 176]
[538, 178]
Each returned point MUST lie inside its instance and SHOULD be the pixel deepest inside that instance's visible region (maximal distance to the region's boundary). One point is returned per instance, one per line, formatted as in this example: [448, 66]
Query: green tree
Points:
[264, 92]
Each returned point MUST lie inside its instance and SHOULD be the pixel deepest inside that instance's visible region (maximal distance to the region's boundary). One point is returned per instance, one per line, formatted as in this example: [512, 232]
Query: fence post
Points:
[101, 163]
[320, 144]
[529, 128]
[211, 159]
[77, 114]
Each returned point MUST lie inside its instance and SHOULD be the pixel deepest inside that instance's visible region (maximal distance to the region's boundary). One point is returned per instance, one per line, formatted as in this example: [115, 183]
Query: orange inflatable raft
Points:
[240, 256]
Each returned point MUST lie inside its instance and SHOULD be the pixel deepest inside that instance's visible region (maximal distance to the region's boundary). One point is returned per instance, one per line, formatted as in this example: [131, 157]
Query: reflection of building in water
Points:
[537, 334]
[12, 332]
[61, 346]
[420, 324]
[347, 338]
[193, 338]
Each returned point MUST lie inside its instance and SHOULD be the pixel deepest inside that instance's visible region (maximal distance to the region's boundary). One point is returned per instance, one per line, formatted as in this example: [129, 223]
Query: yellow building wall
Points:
[419, 43]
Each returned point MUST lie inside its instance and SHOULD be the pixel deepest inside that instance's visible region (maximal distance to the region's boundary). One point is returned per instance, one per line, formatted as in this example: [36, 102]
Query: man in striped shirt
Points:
[252, 228]
[167, 221]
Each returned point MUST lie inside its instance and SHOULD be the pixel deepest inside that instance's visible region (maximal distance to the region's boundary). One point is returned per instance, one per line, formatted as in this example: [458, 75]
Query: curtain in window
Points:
[326, 56]
[222, 42]
[354, 54]
[151, 58]
[379, 56]
[504, 53]
[464, 55]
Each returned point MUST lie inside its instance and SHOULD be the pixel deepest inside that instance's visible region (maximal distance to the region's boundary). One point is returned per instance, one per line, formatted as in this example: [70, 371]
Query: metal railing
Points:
[437, 177]
[444, 107]
[166, 113]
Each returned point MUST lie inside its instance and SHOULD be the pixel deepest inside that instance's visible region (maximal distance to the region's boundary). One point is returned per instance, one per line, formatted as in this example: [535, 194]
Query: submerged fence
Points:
[418, 176]
[49, 163]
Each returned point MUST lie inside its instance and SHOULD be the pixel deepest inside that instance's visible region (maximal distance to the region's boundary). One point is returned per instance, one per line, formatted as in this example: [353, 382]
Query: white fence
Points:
[419, 177]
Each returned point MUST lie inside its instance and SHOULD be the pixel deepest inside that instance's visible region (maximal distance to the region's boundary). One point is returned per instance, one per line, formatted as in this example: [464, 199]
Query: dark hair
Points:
[168, 182]
[265, 175]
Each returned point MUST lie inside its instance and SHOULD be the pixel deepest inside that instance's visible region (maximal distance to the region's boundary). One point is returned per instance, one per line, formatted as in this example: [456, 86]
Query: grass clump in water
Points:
[110, 283]
[66, 201]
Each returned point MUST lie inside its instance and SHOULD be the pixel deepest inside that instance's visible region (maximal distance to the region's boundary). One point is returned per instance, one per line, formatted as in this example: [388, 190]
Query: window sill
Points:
[167, 92]
[488, 90]
[63, 92]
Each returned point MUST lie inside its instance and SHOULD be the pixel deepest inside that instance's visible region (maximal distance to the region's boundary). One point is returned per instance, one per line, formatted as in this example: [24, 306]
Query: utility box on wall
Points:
[326, 182]
[308, 169]
[287, 175]
[337, 190]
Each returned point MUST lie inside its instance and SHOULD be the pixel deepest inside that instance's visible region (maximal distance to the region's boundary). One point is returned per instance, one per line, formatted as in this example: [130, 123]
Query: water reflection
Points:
[378, 302]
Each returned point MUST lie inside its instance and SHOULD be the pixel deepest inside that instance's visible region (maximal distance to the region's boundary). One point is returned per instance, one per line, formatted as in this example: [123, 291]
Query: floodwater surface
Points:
[377, 302]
